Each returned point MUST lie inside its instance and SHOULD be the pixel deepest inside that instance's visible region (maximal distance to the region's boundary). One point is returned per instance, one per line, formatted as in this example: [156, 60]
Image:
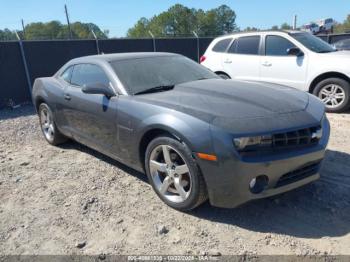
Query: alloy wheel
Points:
[332, 95]
[47, 124]
[170, 173]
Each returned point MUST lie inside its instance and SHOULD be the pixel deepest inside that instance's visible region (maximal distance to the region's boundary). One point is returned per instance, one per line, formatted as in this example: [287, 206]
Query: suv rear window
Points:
[222, 45]
[246, 45]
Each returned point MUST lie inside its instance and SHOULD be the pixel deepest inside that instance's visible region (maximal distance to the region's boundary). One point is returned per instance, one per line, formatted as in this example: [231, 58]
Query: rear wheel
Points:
[334, 93]
[48, 126]
[174, 174]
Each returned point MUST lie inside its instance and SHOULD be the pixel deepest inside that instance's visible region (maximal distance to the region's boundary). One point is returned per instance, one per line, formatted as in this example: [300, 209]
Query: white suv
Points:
[292, 58]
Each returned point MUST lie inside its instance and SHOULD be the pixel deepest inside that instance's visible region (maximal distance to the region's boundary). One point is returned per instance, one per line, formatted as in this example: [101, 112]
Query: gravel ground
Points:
[73, 200]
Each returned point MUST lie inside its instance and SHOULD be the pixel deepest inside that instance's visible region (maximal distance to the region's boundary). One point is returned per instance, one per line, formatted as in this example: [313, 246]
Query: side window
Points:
[67, 74]
[84, 74]
[222, 45]
[277, 45]
[247, 45]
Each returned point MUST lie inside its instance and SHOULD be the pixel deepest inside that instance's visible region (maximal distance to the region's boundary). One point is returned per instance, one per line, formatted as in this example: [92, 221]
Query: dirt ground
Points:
[73, 200]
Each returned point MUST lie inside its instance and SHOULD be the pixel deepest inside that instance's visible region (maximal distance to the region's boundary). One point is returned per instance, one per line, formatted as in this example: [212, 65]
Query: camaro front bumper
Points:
[228, 180]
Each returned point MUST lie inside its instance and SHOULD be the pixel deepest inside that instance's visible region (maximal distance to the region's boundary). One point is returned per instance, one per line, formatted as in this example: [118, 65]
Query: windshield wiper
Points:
[156, 89]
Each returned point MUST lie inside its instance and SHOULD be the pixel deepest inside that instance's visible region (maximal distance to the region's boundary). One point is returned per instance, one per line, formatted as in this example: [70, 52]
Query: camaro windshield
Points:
[313, 43]
[139, 75]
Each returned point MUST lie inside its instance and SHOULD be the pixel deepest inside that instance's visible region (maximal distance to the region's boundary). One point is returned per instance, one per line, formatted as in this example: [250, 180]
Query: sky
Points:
[118, 16]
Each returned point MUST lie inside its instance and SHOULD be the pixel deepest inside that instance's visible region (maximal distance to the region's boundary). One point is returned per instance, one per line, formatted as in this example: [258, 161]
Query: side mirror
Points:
[295, 51]
[98, 89]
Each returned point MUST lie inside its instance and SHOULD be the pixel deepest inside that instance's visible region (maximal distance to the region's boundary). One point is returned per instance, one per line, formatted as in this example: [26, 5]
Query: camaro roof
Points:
[121, 56]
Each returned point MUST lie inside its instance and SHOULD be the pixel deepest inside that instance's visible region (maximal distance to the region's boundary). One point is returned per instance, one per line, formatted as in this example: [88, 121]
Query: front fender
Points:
[137, 119]
[193, 132]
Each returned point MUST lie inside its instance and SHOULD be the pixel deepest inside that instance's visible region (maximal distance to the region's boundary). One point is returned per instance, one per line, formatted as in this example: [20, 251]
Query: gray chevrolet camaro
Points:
[196, 136]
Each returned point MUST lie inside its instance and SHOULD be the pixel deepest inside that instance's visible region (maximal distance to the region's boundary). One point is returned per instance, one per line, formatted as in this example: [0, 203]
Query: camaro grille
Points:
[298, 174]
[306, 136]
[285, 141]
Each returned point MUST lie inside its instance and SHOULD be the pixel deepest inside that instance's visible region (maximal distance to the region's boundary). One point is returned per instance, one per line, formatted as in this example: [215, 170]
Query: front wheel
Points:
[334, 93]
[48, 126]
[174, 174]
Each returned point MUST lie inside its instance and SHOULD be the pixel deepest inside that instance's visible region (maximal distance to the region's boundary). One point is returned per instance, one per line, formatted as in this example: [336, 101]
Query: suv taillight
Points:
[202, 59]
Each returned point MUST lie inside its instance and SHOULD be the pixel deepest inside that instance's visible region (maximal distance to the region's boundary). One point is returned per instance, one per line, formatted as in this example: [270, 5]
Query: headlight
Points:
[246, 142]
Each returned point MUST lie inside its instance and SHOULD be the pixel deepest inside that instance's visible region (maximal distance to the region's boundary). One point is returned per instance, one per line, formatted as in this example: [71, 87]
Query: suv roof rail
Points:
[262, 31]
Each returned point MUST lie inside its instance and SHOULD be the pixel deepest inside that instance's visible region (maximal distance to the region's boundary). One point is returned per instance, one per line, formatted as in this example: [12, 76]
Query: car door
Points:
[59, 113]
[242, 59]
[279, 67]
[91, 117]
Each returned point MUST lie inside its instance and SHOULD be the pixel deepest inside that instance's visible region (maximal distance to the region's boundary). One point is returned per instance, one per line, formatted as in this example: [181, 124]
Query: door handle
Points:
[228, 61]
[67, 97]
[266, 64]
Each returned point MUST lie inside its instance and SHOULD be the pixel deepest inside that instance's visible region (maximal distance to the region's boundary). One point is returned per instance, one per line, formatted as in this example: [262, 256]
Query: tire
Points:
[191, 182]
[223, 76]
[48, 127]
[324, 91]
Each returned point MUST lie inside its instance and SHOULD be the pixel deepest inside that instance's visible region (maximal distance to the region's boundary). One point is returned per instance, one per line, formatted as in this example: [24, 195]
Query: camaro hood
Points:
[228, 99]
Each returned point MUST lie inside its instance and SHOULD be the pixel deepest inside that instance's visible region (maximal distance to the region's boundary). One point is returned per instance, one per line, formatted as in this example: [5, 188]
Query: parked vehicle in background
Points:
[292, 58]
[326, 25]
[195, 135]
[342, 44]
[311, 28]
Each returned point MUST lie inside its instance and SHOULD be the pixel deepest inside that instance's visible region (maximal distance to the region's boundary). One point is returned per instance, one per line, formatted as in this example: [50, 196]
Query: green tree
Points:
[343, 27]
[275, 27]
[56, 30]
[286, 26]
[206, 23]
[180, 20]
[251, 29]
[83, 31]
[39, 30]
[7, 35]
[225, 19]
[140, 29]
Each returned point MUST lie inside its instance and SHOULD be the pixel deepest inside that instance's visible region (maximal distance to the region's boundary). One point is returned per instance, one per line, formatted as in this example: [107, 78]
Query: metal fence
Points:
[334, 37]
[23, 61]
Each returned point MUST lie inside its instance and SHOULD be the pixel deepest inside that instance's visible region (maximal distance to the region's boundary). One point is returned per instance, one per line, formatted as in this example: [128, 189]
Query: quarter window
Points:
[277, 45]
[222, 45]
[67, 74]
[85, 74]
[247, 45]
